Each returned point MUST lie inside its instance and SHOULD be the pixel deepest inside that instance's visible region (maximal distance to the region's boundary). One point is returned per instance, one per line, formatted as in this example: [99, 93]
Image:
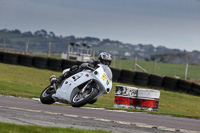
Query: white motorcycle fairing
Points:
[70, 85]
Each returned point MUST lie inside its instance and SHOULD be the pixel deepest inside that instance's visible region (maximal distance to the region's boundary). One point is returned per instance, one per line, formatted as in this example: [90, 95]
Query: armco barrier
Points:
[124, 76]
[131, 97]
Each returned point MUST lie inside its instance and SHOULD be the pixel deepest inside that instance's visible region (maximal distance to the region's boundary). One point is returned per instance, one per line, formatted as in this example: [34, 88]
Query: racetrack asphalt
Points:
[27, 111]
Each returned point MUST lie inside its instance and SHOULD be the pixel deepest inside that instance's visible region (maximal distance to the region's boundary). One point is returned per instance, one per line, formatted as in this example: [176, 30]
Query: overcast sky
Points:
[170, 23]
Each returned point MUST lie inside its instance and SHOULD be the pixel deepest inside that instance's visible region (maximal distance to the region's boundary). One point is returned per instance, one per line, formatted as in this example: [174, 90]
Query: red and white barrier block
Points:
[131, 97]
[148, 99]
[125, 96]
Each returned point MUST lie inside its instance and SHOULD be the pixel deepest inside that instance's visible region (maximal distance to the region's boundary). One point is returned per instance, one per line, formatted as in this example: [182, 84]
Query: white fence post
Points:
[49, 49]
[68, 50]
[114, 61]
[154, 67]
[134, 63]
[186, 70]
[27, 43]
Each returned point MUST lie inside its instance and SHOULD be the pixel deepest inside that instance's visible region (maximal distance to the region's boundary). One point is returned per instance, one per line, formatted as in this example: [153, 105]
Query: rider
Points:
[104, 58]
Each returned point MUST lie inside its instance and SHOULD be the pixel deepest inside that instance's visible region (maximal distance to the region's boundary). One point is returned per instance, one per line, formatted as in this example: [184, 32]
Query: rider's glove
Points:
[84, 65]
[52, 79]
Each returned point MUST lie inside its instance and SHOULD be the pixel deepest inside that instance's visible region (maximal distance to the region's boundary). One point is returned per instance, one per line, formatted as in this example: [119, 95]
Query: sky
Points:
[169, 23]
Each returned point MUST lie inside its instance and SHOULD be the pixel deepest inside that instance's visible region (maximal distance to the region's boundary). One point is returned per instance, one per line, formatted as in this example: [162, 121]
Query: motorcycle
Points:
[81, 88]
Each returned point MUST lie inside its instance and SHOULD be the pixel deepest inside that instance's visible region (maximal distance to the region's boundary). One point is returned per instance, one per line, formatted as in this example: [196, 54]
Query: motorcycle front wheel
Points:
[46, 95]
[80, 99]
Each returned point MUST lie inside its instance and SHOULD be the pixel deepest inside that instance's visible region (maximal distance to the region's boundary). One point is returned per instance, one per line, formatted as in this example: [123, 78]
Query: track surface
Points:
[27, 111]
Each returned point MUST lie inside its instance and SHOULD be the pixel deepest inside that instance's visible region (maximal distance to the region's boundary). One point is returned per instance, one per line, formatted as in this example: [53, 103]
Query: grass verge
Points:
[13, 128]
[30, 82]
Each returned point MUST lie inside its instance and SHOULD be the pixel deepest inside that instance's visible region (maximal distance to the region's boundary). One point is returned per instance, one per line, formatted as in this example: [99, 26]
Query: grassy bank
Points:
[30, 82]
[13, 128]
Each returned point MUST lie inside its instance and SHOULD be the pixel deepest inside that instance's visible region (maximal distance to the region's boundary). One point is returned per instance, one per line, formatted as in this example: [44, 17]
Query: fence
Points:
[119, 75]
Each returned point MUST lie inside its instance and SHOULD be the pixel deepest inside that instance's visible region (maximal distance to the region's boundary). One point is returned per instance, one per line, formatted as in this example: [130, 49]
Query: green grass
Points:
[13, 128]
[166, 69]
[30, 82]
[26, 81]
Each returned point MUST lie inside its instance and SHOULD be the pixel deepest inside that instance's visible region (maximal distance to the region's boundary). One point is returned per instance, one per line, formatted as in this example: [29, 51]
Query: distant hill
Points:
[39, 40]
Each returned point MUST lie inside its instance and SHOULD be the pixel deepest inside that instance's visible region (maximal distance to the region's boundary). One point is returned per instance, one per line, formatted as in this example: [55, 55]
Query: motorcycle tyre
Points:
[47, 99]
[93, 101]
[88, 99]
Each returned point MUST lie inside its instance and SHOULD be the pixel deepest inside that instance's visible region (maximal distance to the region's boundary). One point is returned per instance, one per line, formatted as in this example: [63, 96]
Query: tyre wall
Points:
[155, 81]
[116, 74]
[141, 79]
[170, 83]
[40, 62]
[54, 64]
[126, 76]
[25, 60]
[195, 89]
[10, 58]
[119, 75]
[1, 56]
[67, 64]
[184, 86]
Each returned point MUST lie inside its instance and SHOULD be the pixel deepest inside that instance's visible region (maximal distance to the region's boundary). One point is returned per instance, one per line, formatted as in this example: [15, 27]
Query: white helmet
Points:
[105, 58]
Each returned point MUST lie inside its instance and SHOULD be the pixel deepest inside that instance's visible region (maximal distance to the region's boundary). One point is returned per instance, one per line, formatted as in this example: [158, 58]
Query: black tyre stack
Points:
[40, 62]
[195, 88]
[25, 60]
[170, 83]
[67, 64]
[54, 64]
[183, 86]
[1, 56]
[116, 74]
[141, 79]
[10, 58]
[155, 81]
[79, 62]
[126, 76]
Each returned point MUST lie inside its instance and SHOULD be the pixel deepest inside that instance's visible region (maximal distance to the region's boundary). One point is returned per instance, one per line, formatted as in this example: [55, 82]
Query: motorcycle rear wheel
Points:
[46, 95]
[79, 99]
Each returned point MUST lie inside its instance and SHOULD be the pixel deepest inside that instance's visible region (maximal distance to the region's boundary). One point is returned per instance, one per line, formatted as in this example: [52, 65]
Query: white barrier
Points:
[125, 96]
[131, 97]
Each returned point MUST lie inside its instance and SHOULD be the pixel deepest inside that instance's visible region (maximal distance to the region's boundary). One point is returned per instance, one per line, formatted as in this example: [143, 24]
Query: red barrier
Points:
[147, 104]
[131, 97]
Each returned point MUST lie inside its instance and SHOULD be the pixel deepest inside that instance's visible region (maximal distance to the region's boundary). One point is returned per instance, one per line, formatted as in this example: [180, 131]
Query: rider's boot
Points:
[59, 79]
[62, 77]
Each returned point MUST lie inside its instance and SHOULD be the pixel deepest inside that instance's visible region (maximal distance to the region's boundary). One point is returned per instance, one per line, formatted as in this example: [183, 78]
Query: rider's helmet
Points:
[105, 58]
